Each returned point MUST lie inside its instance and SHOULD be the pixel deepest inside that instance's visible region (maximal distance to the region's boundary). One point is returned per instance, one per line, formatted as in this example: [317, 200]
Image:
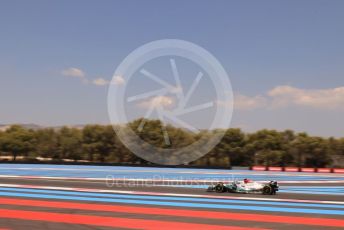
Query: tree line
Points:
[100, 144]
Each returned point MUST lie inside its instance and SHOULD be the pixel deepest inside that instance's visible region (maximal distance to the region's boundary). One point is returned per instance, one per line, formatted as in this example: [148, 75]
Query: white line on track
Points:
[166, 194]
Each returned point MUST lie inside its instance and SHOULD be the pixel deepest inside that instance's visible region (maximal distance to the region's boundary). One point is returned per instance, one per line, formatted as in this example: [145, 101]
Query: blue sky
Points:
[285, 58]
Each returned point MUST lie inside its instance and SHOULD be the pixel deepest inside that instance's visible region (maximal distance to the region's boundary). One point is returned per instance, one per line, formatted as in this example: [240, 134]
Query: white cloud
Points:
[73, 72]
[100, 82]
[243, 102]
[118, 80]
[282, 96]
[158, 101]
[78, 73]
[285, 95]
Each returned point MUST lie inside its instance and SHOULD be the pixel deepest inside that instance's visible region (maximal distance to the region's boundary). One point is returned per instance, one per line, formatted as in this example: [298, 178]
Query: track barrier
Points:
[296, 169]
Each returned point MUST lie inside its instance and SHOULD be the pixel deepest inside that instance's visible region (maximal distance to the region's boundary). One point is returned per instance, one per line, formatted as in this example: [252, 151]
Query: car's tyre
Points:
[267, 190]
[220, 188]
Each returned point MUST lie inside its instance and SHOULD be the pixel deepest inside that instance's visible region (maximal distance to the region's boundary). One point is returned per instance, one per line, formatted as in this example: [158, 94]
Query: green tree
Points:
[311, 151]
[47, 145]
[232, 146]
[17, 141]
[69, 144]
[269, 157]
[97, 142]
[265, 144]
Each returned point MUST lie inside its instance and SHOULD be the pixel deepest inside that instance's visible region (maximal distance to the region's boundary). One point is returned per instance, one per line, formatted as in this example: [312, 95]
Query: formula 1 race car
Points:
[246, 186]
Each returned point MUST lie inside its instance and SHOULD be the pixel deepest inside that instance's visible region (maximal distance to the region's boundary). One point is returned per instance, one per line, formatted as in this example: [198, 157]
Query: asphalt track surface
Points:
[54, 197]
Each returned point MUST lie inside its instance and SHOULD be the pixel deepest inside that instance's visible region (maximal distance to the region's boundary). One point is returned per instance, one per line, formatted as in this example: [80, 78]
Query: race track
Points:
[99, 197]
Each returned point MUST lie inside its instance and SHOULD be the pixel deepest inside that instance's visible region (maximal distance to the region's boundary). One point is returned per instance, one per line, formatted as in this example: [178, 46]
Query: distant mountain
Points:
[26, 126]
[4, 127]
[69, 126]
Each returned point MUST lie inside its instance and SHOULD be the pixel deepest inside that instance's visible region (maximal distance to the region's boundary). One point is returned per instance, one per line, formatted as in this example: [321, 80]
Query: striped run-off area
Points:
[32, 200]
[159, 174]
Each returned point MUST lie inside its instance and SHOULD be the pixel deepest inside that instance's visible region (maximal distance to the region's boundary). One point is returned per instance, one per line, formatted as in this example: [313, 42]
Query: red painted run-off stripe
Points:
[110, 221]
[178, 212]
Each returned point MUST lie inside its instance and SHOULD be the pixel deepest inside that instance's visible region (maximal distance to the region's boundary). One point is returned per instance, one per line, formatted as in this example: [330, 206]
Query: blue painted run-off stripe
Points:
[169, 198]
[151, 173]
